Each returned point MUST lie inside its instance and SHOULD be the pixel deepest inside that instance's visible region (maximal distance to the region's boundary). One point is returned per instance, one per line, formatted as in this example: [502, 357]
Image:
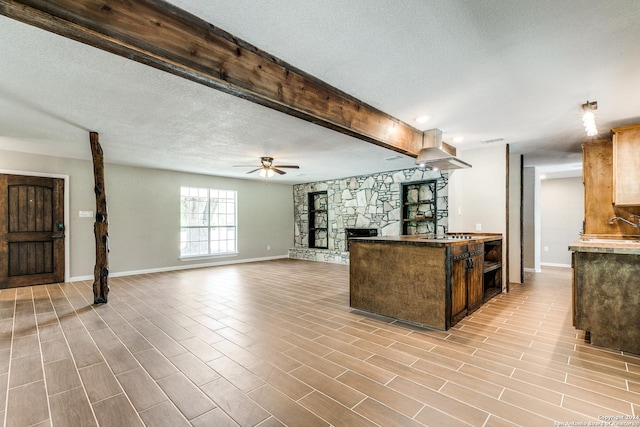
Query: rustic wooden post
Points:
[101, 226]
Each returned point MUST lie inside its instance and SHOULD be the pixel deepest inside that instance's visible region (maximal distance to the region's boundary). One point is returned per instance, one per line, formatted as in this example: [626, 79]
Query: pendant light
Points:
[589, 118]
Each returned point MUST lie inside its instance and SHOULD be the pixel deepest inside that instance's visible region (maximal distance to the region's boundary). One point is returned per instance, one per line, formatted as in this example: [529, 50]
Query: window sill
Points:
[204, 257]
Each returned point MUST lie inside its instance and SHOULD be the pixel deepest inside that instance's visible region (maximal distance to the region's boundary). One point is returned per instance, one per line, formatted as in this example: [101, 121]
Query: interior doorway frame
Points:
[67, 216]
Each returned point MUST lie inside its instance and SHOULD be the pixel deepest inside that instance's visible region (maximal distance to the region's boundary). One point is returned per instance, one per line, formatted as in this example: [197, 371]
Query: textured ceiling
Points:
[516, 70]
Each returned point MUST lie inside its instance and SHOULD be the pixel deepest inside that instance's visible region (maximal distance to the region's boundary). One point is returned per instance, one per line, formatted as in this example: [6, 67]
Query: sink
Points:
[613, 241]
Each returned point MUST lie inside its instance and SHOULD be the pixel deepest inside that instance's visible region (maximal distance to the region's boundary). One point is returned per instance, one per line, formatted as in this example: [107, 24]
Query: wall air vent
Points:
[492, 141]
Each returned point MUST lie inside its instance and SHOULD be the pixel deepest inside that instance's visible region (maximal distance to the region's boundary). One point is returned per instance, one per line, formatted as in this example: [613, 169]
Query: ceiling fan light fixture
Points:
[266, 172]
[267, 169]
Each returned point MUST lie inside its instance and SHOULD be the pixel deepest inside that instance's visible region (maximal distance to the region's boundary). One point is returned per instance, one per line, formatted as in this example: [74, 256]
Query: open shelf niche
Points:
[419, 207]
[318, 220]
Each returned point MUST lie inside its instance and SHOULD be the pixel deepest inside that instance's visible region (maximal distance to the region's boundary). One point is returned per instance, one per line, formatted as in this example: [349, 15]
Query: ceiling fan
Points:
[267, 168]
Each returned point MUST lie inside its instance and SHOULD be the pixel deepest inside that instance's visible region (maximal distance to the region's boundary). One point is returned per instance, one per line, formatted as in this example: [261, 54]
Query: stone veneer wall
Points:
[369, 201]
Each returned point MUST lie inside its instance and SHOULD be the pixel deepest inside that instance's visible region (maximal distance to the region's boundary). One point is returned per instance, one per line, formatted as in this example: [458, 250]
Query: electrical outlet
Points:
[478, 227]
[85, 214]
[546, 248]
[268, 247]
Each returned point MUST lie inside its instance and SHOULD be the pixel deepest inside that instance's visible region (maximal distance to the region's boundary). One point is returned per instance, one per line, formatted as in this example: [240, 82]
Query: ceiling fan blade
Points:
[278, 171]
[287, 166]
[245, 166]
[254, 170]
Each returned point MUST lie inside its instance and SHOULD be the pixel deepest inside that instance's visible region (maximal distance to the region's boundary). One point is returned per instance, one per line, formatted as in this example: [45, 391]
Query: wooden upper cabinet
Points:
[626, 166]
[598, 186]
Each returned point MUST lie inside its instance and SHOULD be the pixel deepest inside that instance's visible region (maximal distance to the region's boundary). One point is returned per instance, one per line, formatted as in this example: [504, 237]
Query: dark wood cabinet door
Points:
[475, 287]
[458, 287]
[31, 230]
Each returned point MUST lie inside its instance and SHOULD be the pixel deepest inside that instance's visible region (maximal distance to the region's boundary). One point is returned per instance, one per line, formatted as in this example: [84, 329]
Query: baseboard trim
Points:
[180, 267]
[551, 264]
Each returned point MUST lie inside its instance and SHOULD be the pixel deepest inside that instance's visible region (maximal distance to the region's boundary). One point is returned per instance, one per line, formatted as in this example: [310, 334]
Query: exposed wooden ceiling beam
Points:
[160, 35]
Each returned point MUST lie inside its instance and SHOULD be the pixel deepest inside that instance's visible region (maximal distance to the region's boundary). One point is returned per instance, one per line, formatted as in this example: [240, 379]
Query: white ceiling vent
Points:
[492, 141]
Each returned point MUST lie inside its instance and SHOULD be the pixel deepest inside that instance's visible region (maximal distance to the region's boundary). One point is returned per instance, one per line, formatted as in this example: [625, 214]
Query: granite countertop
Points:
[608, 245]
[431, 240]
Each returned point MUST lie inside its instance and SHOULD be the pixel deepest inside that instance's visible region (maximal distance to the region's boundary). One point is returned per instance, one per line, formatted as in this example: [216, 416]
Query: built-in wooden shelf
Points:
[490, 266]
[418, 219]
[422, 202]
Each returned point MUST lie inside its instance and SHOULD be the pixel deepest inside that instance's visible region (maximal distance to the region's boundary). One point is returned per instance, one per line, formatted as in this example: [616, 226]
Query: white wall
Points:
[529, 221]
[515, 251]
[561, 217]
[537, 219]
[144, 214]
[479, 195]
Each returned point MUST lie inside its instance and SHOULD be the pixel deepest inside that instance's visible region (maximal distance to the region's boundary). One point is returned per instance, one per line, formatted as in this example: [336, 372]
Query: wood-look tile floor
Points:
[276, 343]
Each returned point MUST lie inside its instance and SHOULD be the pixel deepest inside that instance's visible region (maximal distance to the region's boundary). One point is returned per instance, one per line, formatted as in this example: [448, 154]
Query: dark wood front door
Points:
[31, 230]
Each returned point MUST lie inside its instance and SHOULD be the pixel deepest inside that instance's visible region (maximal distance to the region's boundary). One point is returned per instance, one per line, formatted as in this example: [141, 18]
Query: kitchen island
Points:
[433, 281]
[606, 291]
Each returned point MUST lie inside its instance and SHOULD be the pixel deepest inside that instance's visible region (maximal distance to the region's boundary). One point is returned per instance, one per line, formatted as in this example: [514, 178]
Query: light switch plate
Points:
[85, 214]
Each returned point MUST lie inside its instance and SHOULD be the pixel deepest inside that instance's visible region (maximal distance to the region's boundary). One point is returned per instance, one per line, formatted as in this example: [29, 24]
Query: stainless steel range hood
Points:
[436, 154]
